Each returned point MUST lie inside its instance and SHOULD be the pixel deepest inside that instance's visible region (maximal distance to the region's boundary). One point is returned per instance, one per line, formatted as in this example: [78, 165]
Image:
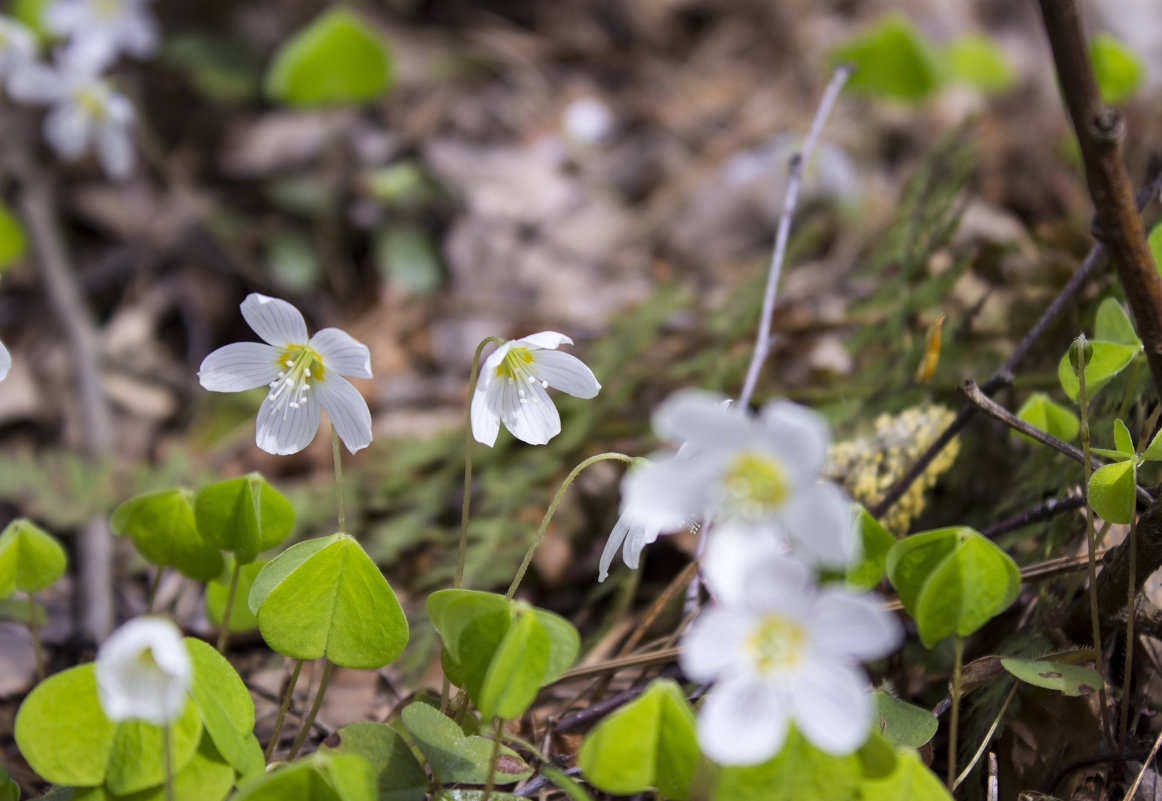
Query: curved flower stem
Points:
[490, 783]
[34, 631]
[954, 722]
[309, 720]
[339, 479]
[473, 377]
[167, 757]
[224, 634]
[286, 700]
[569, 479]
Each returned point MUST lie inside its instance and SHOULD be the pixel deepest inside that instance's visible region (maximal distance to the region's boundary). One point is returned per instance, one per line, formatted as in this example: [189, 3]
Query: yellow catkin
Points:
[868, 465]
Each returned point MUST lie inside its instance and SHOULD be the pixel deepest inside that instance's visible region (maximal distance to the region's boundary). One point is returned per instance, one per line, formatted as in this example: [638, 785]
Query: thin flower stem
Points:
[1087, 467]
[310, 718]
[34, 631]
[466, 503]
[1127, 672]
[1146, 763]
[152, 595]
[286, 701]
[167, 756]
[491, 781]
[569, 479]
[954, 723]
[339, 479]
[987, 738]
[224, 634]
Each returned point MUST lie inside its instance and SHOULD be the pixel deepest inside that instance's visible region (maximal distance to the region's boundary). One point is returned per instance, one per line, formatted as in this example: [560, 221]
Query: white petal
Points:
[282, 429]
[545, 339]
[115, 150]
[347, 410]
[667, 492]
[36, 83]
[616, 538]
[342, 353]
[239, 366]
[800, 435]
[702, 419]
[565, 372]
[818, 521]
[485, 422]
[742, 722]
[67, 129]
[493, 360]
[5, 361]
[276, 321]
[714, 644]
[832, 707]
[852, 627]
[639, 536]
[129, 686]
[535, 420]
[733, 554]
[139, 35]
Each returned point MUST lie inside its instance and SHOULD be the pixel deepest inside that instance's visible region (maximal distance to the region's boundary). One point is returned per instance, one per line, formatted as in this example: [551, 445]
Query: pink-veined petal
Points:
[239, 366]
[342, 353]
[550, 340]
[531, 416]
[485, 421]
[743, 721]
[565, 372]
[275, 320]
[818, 521]
[283, 429]
[831, 707]
[714, 644]
[347, 410]
[852, 627]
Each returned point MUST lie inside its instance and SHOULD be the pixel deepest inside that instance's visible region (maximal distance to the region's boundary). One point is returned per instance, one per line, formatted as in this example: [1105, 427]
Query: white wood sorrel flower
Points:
[779, 648]
[100, 30]
[142, 671]
[303, 374]
[754, 474]
[512, 384]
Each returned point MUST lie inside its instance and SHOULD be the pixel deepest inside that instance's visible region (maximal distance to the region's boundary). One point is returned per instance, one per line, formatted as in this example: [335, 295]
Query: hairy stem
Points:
[286, 702]
[338, 456]
[224, 634]
[309, 720]
[466, 503]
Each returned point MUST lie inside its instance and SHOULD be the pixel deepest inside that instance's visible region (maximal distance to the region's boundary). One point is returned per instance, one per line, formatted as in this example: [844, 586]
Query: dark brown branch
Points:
[1042, 511]
[1100, 131]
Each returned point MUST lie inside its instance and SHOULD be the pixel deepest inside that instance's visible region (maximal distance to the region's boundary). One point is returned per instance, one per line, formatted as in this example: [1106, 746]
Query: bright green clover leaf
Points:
[1114, 346]
[1064, 678]
[1122, 439]
[83, 748]
[1112, 325]
[503, 651]
[892, 60]
[1153, 452]
[1054, 419]
[1113, 490]
[337, 59]
[162, 526]
[218, 590]
[976, 60]
[1115, 67]
[799, 772]
[244, 515]
[30, 558]
[398, 775]
[11, 239]
[903, 724]
[343, 777]
[326, 598]
[876, 541]
[206, 777]
[911, 780]
[454, 757]
[877, 756]
[952, 580]
[646, 744]
[225, 705]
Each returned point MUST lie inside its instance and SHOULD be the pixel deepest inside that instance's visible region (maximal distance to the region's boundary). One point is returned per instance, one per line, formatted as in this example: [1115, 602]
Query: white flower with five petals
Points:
[512, 384]
[100, 30]
[302, 374]
[779, 649]
[142, 672]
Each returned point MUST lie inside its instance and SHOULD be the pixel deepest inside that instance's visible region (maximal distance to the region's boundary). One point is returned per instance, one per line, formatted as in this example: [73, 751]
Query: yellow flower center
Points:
[776, 643]
[146, 659]
[517, 366]
[106, 9]
[93, 99]
[754, 485]
[299, 365]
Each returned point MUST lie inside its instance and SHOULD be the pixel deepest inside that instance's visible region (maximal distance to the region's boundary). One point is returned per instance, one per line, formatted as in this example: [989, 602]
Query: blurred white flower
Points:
[303, 375]
[587, 121]
[143, 670]
[780, 649]
[5, 361]
[100, 30]
[632, 536]
[753, 474]
[85, 112]
[512, 387]
[17, 48]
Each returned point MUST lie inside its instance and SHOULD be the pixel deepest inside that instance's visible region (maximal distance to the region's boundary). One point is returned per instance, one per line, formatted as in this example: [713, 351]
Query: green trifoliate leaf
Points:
[1153, 452]
[398, 775]
[30, 558]
[225, 705]
[1040, 411]
[326, 598]
[800, 772]
[952, 580]
[336, 59]
[244, 515]
[454, 757]
[162, 526]
[1109, 359]
[1112, 491]
[903, 724]
[218, 590]
[319, 778]
[1122, 439]
[1112, 325]
[911, 780]
[977, 61]
[892, 60]
[1116, 68]
[1064, 678]
[650, 743]
[876, 541]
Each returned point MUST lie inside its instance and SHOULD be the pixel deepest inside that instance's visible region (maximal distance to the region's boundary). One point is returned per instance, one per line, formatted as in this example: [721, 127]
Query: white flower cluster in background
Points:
[85, 112]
